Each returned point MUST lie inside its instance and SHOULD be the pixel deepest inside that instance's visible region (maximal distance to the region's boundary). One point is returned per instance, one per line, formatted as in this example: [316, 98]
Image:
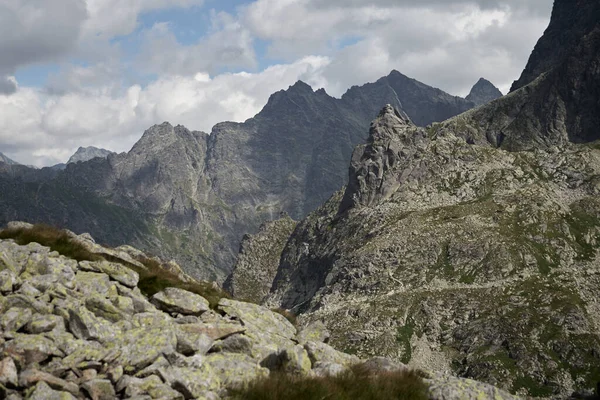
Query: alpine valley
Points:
[458, 236]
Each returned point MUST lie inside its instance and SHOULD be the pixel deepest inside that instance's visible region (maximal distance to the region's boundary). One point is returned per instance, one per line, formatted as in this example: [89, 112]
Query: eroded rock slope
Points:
[84, 330]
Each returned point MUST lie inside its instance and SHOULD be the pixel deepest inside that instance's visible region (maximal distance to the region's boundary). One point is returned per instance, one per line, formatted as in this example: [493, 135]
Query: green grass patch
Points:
[403, 337]
[156, 277]
[356, 383]
[56, 239]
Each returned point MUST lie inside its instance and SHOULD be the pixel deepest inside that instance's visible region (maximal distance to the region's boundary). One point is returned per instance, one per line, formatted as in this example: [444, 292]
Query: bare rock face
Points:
[457, 257]
[258, 260]
[571, 22]
[483, 92]
[88, 153]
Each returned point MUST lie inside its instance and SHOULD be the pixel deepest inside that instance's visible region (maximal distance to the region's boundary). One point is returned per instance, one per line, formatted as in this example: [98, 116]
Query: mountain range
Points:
[460, 236]
[192, 196]
[469, 246]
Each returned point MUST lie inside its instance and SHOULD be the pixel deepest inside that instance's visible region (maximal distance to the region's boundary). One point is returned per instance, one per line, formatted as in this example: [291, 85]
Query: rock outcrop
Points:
[84, 330]
[88, 153]
[483, 92]
[257, 263]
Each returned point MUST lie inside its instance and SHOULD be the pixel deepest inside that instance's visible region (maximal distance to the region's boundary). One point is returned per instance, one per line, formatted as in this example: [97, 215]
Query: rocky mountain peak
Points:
[159, 137]
[571, 21]
[87, 153]
[483, 92]
[393, 139]
[7, 160]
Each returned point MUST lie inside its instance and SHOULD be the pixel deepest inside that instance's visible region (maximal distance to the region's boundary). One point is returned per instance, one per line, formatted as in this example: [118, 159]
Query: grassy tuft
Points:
[290, 316]
[48, 236]
[352, 385]
[155, 278]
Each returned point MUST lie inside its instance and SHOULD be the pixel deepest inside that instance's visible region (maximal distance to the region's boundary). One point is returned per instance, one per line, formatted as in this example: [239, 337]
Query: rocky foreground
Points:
[84, 330]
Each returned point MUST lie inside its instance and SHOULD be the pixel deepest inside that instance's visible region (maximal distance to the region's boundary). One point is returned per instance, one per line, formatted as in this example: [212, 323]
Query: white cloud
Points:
[43, 129]
[228, 45]
[444, 43]
[447, 44]
[111, 18]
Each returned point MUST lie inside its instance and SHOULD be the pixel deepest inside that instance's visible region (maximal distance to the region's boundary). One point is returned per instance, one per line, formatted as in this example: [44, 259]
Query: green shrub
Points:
[57, 240]
[356, 384]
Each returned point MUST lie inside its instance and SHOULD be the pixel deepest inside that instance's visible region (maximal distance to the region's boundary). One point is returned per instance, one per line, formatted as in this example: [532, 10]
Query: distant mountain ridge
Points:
[483, 92]
[193, 196]
[7, 160]
[87, 153]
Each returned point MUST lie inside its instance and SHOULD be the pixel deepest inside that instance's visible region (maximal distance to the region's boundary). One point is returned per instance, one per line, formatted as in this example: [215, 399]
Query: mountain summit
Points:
[483, 92]
[87, 153]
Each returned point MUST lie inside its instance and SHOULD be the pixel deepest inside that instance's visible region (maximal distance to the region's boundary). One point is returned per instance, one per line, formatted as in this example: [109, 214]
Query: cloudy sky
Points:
[99, 72]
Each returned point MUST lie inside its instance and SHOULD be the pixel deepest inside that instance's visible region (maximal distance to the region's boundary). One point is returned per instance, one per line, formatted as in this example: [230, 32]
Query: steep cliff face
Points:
[258, 260]
[571, 21]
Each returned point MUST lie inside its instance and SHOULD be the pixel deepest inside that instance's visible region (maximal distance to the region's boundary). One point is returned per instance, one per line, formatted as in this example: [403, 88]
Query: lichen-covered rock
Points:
[237, 343]
[190, 343]
[324, 369]
[125, 276]
[315, 331]
[44, 392]
[292, 360]
[15, 318]
[103, 308]
[152, 386]
[30, 349]
[192, 383]
[268, 329]
[215, 331]
[8, 280]
[85, 325]
[450, 388]
[99, 389]
[45, 323]
[102, 340]
[8, 372]
[378, 365]
[234, 370]
[140, 347]
[321, 352]
[174, 300]
[32, 377]
[92, 283]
